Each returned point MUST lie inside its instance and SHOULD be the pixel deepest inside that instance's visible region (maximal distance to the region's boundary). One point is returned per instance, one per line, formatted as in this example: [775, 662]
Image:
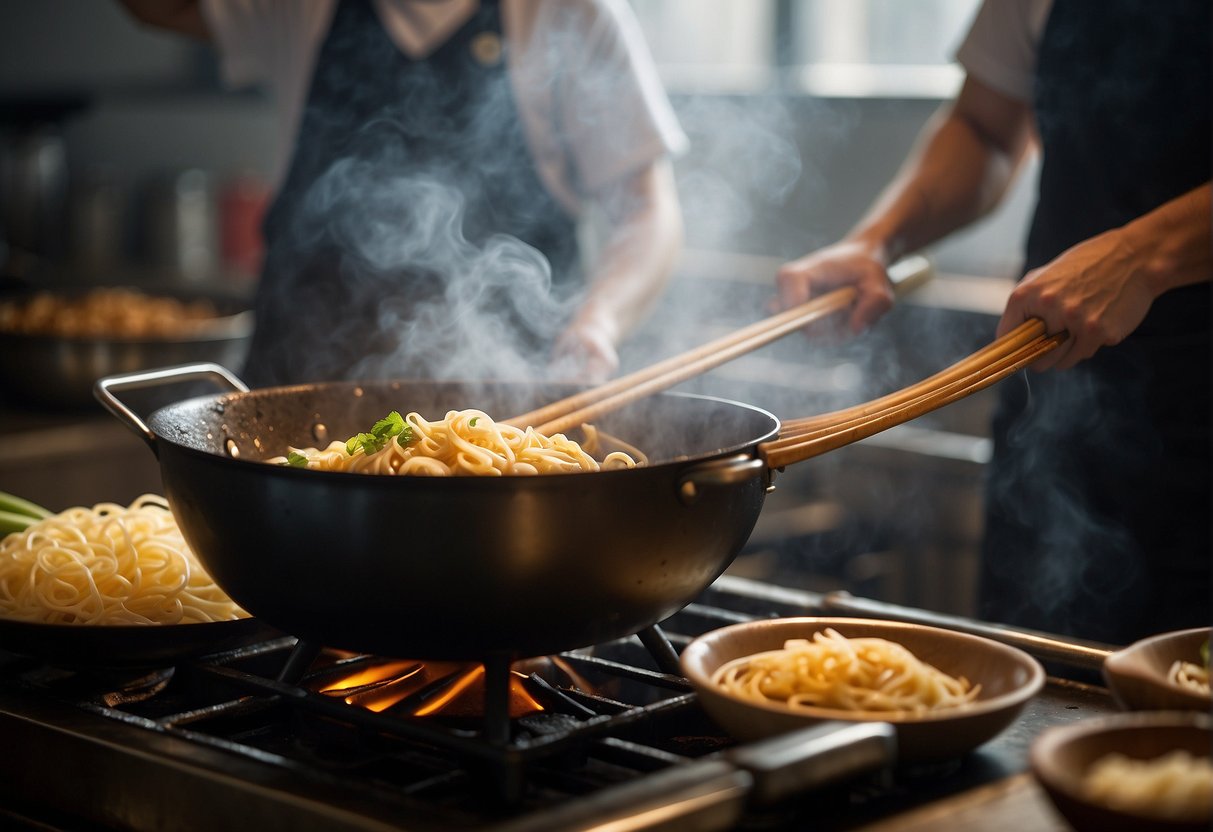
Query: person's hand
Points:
[584, 353]
[1092, 291]
[833, 267]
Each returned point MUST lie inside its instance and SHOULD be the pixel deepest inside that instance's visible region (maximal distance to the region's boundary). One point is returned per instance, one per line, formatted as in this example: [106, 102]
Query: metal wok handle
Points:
[718, 472]
[104, 388]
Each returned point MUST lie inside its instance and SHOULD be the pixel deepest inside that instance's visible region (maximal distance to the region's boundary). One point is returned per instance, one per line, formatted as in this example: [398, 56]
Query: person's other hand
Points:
[1092, 291]
[584, 353]
[833, 267]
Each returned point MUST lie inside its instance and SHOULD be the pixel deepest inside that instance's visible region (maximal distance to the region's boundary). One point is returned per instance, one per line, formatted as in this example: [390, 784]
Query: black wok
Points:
[451, 568]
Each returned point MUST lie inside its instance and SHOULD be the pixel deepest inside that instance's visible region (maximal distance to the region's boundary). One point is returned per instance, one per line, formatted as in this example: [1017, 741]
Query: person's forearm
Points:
[959, 170]
[636, 262]
[1173, 244]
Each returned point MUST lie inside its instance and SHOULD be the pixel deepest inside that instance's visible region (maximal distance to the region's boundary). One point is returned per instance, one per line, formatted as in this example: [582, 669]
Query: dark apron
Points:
[1098, 500]
[411, 230]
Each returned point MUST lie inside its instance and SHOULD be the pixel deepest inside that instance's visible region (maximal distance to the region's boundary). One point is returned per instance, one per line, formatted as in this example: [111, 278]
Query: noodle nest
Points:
[108, 565]
[850, 674]
[463, 443]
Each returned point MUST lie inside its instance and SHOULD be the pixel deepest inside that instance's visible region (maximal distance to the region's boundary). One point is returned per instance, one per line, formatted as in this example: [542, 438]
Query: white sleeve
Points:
[239, 29]
[593, 104]
[271, 42]
[1000, 48]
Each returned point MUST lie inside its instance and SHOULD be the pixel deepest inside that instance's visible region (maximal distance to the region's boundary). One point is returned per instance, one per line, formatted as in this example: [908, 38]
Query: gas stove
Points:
[274, 735]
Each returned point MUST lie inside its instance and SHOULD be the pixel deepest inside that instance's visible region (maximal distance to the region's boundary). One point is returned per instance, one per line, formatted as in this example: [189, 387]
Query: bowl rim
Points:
[1069, 783]
[980, 707]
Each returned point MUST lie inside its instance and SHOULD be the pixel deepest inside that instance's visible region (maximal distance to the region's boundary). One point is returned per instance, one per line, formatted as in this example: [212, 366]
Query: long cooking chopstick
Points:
[1025, 333]
[945, 392]
[696, 362]
[588, 405]
[797, 447]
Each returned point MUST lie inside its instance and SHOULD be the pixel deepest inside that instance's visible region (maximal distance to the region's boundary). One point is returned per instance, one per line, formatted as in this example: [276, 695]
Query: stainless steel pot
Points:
[59, 372]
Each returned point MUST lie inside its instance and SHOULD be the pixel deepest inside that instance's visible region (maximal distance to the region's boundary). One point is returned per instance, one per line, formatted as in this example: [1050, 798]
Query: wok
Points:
[472, 567]
[460, 567]
[59, 371]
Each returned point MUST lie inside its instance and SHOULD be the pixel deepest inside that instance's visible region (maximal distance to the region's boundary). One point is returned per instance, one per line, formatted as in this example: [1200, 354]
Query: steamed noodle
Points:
[108, 564]
[464, 443]
[853, 674]
[1175, 786]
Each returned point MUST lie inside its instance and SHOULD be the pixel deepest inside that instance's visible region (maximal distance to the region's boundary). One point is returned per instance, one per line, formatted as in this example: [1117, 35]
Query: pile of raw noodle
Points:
[106, 565]
[853, 674]
[464, 443]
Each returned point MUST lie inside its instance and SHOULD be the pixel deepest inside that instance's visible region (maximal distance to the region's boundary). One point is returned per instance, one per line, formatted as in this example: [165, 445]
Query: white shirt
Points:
[1000, 48]
[592, 106]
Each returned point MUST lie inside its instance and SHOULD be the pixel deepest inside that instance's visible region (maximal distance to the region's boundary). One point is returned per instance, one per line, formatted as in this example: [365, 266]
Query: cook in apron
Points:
[1098, 501]
[411, 206]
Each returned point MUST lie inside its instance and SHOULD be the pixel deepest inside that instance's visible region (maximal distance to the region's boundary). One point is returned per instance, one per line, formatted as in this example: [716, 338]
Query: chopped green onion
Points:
[371, 443]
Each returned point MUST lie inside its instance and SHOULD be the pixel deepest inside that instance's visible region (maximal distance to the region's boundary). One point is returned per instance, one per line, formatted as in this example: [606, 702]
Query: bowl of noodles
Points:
[1129, 772]
[1168, 671]
[944, 692]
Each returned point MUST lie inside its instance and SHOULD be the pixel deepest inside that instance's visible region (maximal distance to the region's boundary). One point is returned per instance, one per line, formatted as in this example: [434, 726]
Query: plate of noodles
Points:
[1168, 671]
[944, 692]
[109, 585]
[1129, 772]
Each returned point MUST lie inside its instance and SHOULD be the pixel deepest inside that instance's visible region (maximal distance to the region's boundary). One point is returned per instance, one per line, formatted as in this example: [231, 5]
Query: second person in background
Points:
[1098, 495]
[442, 156]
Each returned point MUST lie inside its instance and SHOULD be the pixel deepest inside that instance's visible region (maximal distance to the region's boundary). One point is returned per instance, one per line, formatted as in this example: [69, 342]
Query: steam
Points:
[463, 310]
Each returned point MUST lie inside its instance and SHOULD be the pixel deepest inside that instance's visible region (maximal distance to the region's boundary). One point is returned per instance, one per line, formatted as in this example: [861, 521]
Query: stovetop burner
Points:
[256, 737]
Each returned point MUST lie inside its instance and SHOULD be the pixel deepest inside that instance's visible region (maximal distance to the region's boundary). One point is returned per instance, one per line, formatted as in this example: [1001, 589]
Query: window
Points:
[832, 48]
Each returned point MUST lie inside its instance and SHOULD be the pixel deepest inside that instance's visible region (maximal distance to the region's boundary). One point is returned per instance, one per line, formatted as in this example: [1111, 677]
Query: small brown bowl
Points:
[1137, 675]
[1061, 756]
[1008, 679]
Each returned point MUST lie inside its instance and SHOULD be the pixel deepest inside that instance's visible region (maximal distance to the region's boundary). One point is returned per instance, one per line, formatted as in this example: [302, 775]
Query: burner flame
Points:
[426, 689]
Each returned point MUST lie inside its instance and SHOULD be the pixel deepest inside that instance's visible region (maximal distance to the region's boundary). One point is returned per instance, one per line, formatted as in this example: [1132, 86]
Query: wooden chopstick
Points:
[588, 405]
[806, 444]
[571, 412]
[1023, 334]
[920, 392]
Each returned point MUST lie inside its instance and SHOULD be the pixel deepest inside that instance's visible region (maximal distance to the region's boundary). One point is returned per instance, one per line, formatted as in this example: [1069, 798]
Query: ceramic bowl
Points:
[1008, 678]
[1138, 674]
[1061, 756]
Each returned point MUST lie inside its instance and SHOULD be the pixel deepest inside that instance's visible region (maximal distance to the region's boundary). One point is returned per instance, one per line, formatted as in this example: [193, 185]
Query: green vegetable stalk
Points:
[17, 514]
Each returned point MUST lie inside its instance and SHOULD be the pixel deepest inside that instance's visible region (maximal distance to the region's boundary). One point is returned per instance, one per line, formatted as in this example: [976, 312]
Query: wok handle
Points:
[104, 389]
[717, 472]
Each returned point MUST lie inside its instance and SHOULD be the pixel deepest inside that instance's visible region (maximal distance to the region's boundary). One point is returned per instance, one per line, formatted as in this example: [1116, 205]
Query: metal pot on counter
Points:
[56, 367]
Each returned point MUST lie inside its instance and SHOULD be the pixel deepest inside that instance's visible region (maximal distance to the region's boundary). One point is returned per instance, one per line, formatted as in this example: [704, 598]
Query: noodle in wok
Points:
[464, 443]
[853, 674]
[108, 565]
